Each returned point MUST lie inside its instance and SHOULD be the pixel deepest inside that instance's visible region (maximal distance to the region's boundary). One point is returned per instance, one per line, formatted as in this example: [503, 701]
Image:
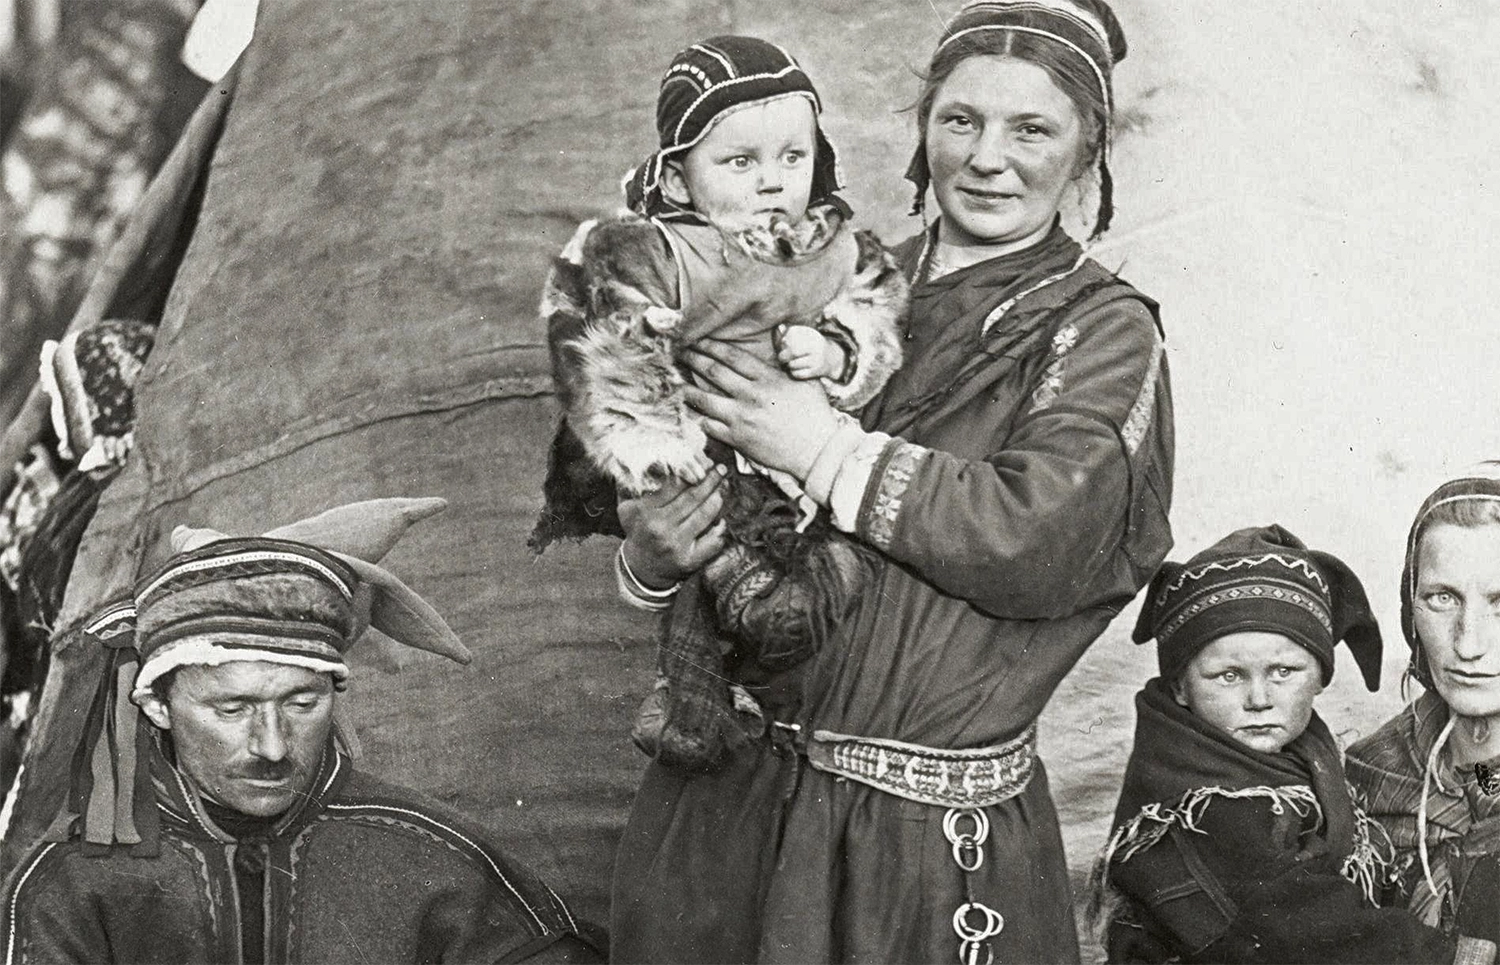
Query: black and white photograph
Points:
[749, 481]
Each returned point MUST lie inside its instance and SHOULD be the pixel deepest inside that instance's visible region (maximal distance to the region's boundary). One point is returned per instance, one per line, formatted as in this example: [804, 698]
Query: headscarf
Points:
[1260, 578]
[1087, 28]
[1480, 483]
[707, 80]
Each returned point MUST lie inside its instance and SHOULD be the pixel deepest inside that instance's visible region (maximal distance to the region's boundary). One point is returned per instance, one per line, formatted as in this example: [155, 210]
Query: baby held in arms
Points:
[736, 235]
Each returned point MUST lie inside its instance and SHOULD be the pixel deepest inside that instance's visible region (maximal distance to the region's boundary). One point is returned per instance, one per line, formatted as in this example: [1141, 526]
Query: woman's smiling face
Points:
[1003, 144]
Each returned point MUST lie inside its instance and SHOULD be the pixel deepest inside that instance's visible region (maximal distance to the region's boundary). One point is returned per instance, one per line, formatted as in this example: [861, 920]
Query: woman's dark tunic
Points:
[1021, 503]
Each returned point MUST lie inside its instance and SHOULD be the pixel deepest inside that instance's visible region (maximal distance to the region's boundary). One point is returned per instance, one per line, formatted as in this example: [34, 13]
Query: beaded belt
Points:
[974, 778]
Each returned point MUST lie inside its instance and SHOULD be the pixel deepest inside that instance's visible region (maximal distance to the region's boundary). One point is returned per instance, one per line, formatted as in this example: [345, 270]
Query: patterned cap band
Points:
[1259, 579]
[1258, 587]
[248, 598]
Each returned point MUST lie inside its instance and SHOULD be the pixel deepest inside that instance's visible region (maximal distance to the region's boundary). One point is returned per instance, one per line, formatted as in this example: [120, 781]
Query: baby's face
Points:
[1257, 687]
[755, 162]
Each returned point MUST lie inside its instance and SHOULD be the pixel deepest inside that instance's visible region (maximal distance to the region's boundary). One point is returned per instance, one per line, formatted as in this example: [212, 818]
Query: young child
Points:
[1236, 838]
[735, 234]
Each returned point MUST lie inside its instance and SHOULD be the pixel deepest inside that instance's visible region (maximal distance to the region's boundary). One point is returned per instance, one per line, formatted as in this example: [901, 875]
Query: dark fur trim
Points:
[580, 500]
[871, 308]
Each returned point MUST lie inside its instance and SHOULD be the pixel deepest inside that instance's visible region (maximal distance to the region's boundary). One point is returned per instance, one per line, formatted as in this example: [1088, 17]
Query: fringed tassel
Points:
[1369, 864]
[1153, 822]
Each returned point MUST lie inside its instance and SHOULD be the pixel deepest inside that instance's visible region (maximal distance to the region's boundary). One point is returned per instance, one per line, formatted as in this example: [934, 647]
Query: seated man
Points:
[220, 819]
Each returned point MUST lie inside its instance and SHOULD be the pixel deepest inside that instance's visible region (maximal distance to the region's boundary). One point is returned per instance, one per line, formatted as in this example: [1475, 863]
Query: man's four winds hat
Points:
[300, 595]
[1261, 578]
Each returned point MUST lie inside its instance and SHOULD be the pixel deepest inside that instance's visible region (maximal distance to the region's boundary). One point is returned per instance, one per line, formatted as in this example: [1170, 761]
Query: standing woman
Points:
[1013, 480]
[1431, 774]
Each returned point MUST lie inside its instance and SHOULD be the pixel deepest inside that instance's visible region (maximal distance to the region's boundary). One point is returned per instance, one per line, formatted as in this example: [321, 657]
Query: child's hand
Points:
[807, 354]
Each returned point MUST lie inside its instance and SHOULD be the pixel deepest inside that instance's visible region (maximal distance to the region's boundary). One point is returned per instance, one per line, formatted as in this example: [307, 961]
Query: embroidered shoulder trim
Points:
[1138, 422]
[1004, 307]
[1052, 379]
[895, 479]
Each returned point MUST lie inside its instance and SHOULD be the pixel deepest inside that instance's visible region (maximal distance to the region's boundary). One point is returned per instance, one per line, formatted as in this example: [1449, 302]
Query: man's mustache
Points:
[266, 771]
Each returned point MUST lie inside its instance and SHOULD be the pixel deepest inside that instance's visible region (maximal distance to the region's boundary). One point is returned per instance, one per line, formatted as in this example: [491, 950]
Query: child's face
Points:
[1257, 687]
[754, 162]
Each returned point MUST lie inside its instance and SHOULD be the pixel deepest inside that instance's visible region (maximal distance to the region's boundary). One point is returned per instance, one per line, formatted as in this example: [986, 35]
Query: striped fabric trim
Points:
[434, 826]
[1000, 311]
[1059, 8]
[1474, 951]
[122, 613]
[239, 559]
[199, 652]
[1138, 422]
[1261, 590]
[15, 902]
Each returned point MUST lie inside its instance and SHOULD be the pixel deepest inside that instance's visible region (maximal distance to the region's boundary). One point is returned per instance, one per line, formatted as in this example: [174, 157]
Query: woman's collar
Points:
[930, 264]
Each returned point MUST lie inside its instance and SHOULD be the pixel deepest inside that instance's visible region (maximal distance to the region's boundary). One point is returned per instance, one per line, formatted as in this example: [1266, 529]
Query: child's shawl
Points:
[611, 308]
[1181, 767]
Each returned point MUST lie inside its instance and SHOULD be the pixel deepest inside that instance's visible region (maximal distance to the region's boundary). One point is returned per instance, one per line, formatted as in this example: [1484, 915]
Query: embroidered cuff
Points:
[1474, 951]
[880, 505]
[637, 594]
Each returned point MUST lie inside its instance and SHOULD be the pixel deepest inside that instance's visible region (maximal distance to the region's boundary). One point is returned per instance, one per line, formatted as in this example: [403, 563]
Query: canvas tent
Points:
[1302, 186]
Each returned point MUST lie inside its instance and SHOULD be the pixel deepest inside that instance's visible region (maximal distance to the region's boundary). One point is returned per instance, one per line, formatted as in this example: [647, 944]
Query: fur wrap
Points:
[615, 323]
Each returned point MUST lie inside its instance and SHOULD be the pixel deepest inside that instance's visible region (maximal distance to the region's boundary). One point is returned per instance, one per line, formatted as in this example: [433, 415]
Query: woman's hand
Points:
[674, 531]
[758, 409]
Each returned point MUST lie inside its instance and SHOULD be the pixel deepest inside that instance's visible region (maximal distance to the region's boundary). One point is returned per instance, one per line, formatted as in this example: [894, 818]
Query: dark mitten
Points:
[700, 727]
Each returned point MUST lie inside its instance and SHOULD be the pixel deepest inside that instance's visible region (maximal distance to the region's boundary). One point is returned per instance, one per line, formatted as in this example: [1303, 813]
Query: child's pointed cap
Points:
[1260, 578]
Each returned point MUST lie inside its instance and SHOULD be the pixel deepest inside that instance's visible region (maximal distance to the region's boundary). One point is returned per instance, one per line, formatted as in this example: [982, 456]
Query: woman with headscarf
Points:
[1431, 774]
[1013, 478]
